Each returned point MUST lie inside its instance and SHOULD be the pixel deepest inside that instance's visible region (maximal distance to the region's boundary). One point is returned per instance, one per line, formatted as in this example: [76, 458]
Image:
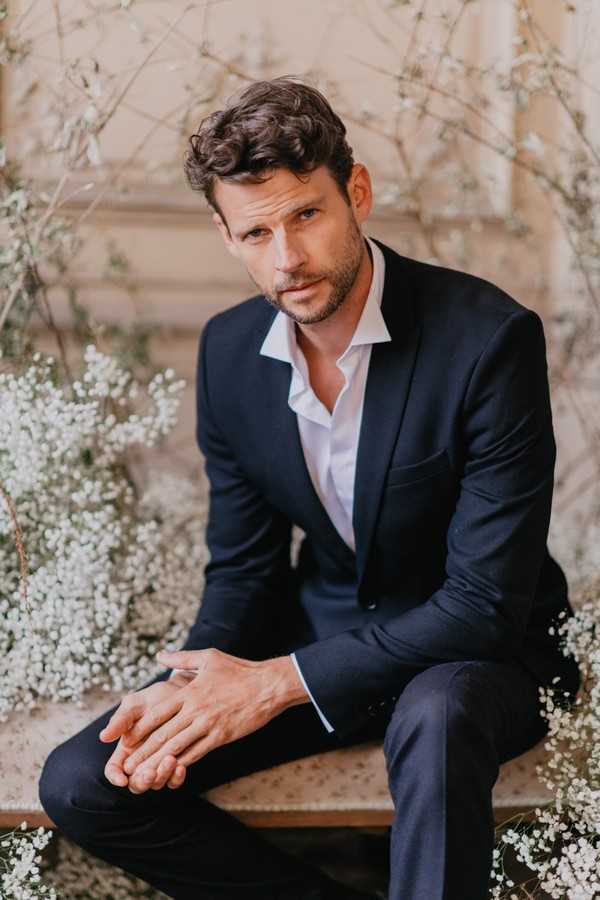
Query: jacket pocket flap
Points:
[424, 468]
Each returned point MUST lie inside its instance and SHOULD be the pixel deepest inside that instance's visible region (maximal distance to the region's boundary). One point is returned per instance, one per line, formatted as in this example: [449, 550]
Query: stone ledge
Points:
[339, 787]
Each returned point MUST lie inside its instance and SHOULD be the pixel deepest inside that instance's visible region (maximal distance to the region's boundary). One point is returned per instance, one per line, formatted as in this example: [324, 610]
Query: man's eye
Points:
[308, 211]
[255, 233]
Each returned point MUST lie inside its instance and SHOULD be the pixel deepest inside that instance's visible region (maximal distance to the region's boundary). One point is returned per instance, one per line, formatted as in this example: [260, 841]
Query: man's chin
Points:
[308, 315]
[309, 312]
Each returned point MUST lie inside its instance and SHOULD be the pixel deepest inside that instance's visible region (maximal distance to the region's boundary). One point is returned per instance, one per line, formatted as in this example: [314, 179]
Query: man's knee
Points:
[436, 706]
[57, 784]
[73, 788]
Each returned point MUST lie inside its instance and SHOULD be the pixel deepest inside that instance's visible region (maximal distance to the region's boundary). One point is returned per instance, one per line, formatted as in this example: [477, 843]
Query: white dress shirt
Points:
[330, 440]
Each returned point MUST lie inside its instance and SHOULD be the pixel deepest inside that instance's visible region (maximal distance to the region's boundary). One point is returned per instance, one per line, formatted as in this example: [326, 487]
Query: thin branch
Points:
[582, 490]
[14, 291]
[135, 75]
[110, 183]
[569, 468]
[24, 15]
[56, 332]
[59, 31]
[449, 36]
[50, 208]
[558, 91]
[580, 264]
[447, 95]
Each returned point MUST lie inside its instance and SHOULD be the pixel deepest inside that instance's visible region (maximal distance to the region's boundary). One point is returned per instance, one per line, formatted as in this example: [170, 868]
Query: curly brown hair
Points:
[281, 122]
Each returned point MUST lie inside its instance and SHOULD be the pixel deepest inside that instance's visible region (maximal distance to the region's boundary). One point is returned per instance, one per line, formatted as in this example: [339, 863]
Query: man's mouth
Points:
[301, 287]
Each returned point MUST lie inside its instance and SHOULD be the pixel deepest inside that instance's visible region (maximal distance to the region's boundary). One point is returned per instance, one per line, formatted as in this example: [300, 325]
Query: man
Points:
[398, 412]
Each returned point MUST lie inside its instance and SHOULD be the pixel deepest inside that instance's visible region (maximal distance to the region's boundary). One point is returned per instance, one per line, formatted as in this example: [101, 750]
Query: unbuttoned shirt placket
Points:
[334, 467]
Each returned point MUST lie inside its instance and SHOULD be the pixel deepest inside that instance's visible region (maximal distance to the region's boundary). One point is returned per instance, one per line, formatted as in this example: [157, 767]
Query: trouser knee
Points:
[438, 724]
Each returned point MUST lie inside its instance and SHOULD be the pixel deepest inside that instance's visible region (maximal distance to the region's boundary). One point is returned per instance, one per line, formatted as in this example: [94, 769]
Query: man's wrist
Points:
[283, 683]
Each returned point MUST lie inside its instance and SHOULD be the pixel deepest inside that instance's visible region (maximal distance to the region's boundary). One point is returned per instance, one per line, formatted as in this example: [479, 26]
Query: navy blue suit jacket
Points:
[453, 490]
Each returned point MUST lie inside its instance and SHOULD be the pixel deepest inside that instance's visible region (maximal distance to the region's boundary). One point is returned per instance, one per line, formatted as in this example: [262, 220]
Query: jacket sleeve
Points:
[248, 540]
[496, 541]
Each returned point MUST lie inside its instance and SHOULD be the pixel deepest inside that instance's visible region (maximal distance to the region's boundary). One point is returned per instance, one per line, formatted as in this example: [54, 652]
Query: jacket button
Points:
[372, 709]
[371, 605]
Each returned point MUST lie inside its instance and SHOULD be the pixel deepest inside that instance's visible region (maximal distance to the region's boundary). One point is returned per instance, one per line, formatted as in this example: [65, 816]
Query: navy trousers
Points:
[450, 729]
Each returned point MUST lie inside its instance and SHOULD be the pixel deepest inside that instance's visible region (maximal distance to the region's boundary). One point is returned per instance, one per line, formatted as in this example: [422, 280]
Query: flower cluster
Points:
[114, 570]
[562, 844]
[76, 875]
[20, 859]
[79, 876]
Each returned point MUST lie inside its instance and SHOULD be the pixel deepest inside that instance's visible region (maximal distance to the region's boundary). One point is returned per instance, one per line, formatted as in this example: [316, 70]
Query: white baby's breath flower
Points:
[20, 878]
[533, 142]
[112, 571]
[562, 844]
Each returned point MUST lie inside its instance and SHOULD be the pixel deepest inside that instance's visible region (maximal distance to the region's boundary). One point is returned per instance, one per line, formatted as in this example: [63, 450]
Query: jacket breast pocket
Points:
[417, 504]
[424, 468]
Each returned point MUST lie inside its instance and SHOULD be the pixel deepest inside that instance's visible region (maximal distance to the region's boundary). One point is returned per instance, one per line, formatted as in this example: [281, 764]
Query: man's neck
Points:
[328, 339]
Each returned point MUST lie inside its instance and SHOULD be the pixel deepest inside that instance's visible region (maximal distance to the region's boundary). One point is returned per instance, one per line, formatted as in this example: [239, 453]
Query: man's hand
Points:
[133, 707]
[227, 699]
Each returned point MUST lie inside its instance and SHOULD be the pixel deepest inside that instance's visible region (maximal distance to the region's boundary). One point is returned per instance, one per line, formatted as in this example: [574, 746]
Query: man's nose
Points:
[289, 254]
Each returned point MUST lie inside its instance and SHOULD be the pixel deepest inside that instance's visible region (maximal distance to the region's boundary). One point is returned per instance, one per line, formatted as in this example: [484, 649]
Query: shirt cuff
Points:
[327, 725]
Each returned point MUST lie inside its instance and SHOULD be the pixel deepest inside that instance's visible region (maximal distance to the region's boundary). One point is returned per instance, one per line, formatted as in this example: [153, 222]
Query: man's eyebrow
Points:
[314, 201]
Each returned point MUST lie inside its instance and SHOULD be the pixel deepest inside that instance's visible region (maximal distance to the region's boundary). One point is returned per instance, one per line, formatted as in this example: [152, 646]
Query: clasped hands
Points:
[170, 724]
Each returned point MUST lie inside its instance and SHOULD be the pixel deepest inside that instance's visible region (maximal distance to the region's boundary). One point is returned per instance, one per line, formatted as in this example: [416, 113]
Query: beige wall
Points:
[148, 211]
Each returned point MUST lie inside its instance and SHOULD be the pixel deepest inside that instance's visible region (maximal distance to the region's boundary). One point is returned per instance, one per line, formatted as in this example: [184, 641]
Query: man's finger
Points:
[165, 770]
[121, 721]
[138, 784]
[153, 777]
[173, 741]
[115, 774]
[180, 659]
[113, 769]
[152, 720]
[197, 750]
[178, 777]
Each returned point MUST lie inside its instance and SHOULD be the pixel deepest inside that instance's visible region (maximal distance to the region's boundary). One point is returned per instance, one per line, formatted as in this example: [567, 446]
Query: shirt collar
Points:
[280, 341]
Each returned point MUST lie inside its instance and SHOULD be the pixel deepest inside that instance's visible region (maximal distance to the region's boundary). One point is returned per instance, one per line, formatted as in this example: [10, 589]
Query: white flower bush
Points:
[24, 875]
[79, 876]
[20, 859]
[114, 573]
[561, 846]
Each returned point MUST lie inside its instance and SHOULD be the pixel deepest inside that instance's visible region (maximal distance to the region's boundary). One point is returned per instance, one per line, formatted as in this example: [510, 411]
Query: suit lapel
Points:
[386, 391]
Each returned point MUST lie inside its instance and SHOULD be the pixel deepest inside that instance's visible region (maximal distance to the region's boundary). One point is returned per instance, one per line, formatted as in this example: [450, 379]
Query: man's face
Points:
[299, 240]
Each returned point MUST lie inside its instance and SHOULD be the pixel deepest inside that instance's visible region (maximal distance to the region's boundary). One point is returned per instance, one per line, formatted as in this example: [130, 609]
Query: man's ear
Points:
[225, 234]
[360, 191]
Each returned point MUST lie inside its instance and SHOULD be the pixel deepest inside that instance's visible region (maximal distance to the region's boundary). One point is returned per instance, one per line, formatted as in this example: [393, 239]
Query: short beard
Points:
[341, 278]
